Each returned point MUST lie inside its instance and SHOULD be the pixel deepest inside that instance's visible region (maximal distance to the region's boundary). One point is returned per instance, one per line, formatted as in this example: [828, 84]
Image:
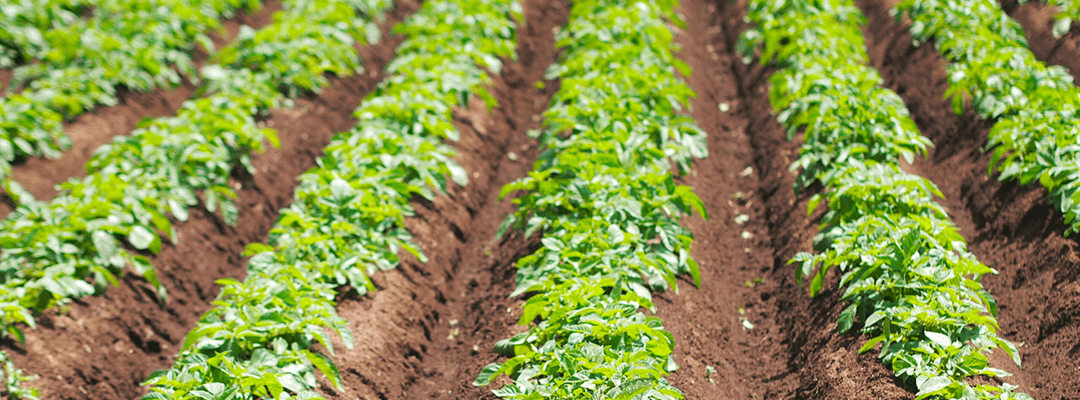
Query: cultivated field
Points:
[531, 199]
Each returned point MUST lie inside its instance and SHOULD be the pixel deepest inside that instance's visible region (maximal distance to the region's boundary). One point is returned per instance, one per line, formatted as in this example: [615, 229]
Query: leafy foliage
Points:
[906, 269]
[347, 220]
[69, 65]
[25, 22]
[133, 185]
[1034, 106]
[138, 184]
[826, 88]
[12, 379]
[588, 344]
[608, 207]
[296, 53]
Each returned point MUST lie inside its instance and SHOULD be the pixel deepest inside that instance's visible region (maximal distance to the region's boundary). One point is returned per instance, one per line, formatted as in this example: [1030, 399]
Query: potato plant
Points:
[912, 284]
[65, 65]
[12, 379]
[604, 198]
[1034, 107]
[26, 20]
[347, 219]
[139, 184]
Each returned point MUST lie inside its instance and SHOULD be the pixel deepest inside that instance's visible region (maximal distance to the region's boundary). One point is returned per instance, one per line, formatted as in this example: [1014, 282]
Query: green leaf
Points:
[256, 248]
[870, 343]
[178, 210]
[1061, 26]
[140, 237]
[813, 204]
[458, 174]
[487, 374]
[505, 225]
[695, 272]
[325, 365]
[16, 191]
[658, 348]
[104, 243]
[817, 282]
[938, 338]
[272, 137]
[933, 386]
[847, 318]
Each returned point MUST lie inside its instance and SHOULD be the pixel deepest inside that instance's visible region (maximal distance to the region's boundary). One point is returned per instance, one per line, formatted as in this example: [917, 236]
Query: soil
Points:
[793, 350]
[5, 79]
[89, 131]
[103, 347]
[1010, 227]
[430, 327]
[1037, 19]
[428, 318]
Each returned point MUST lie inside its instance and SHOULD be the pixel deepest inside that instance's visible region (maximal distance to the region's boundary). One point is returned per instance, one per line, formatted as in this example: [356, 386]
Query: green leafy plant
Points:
[68, 65]
[296, 53]
[608, 208]
[24, 22]
[136, 186]
[1033, 106]
[133, 185]
[13, 379]
[588, 344]
[905, 269]
[347, 220]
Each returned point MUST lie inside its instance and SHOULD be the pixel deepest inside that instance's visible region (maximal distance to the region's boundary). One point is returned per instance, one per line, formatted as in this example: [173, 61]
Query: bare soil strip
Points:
[793, 350]
[1010, 227]
[718, 355]
[1037, 19]
[430, 327]
[91, 130]
[103, 347]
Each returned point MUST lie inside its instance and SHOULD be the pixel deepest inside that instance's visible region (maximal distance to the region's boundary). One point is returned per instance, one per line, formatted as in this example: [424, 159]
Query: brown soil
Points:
[1037, 19]
[706, 322]
[89, 131]
[103, 347]
[459, 296]
[5, 79]
[1010, 227]
[793, 351]
[430, 327]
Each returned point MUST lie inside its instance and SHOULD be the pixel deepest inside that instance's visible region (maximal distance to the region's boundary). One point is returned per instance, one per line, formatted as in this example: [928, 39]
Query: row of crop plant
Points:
[72, 246]
[135, 183]
[1035, 107]
[29, 25]
[606, 202]
[347, 220]
[66, 66]
[905, 268]
[26, 23]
